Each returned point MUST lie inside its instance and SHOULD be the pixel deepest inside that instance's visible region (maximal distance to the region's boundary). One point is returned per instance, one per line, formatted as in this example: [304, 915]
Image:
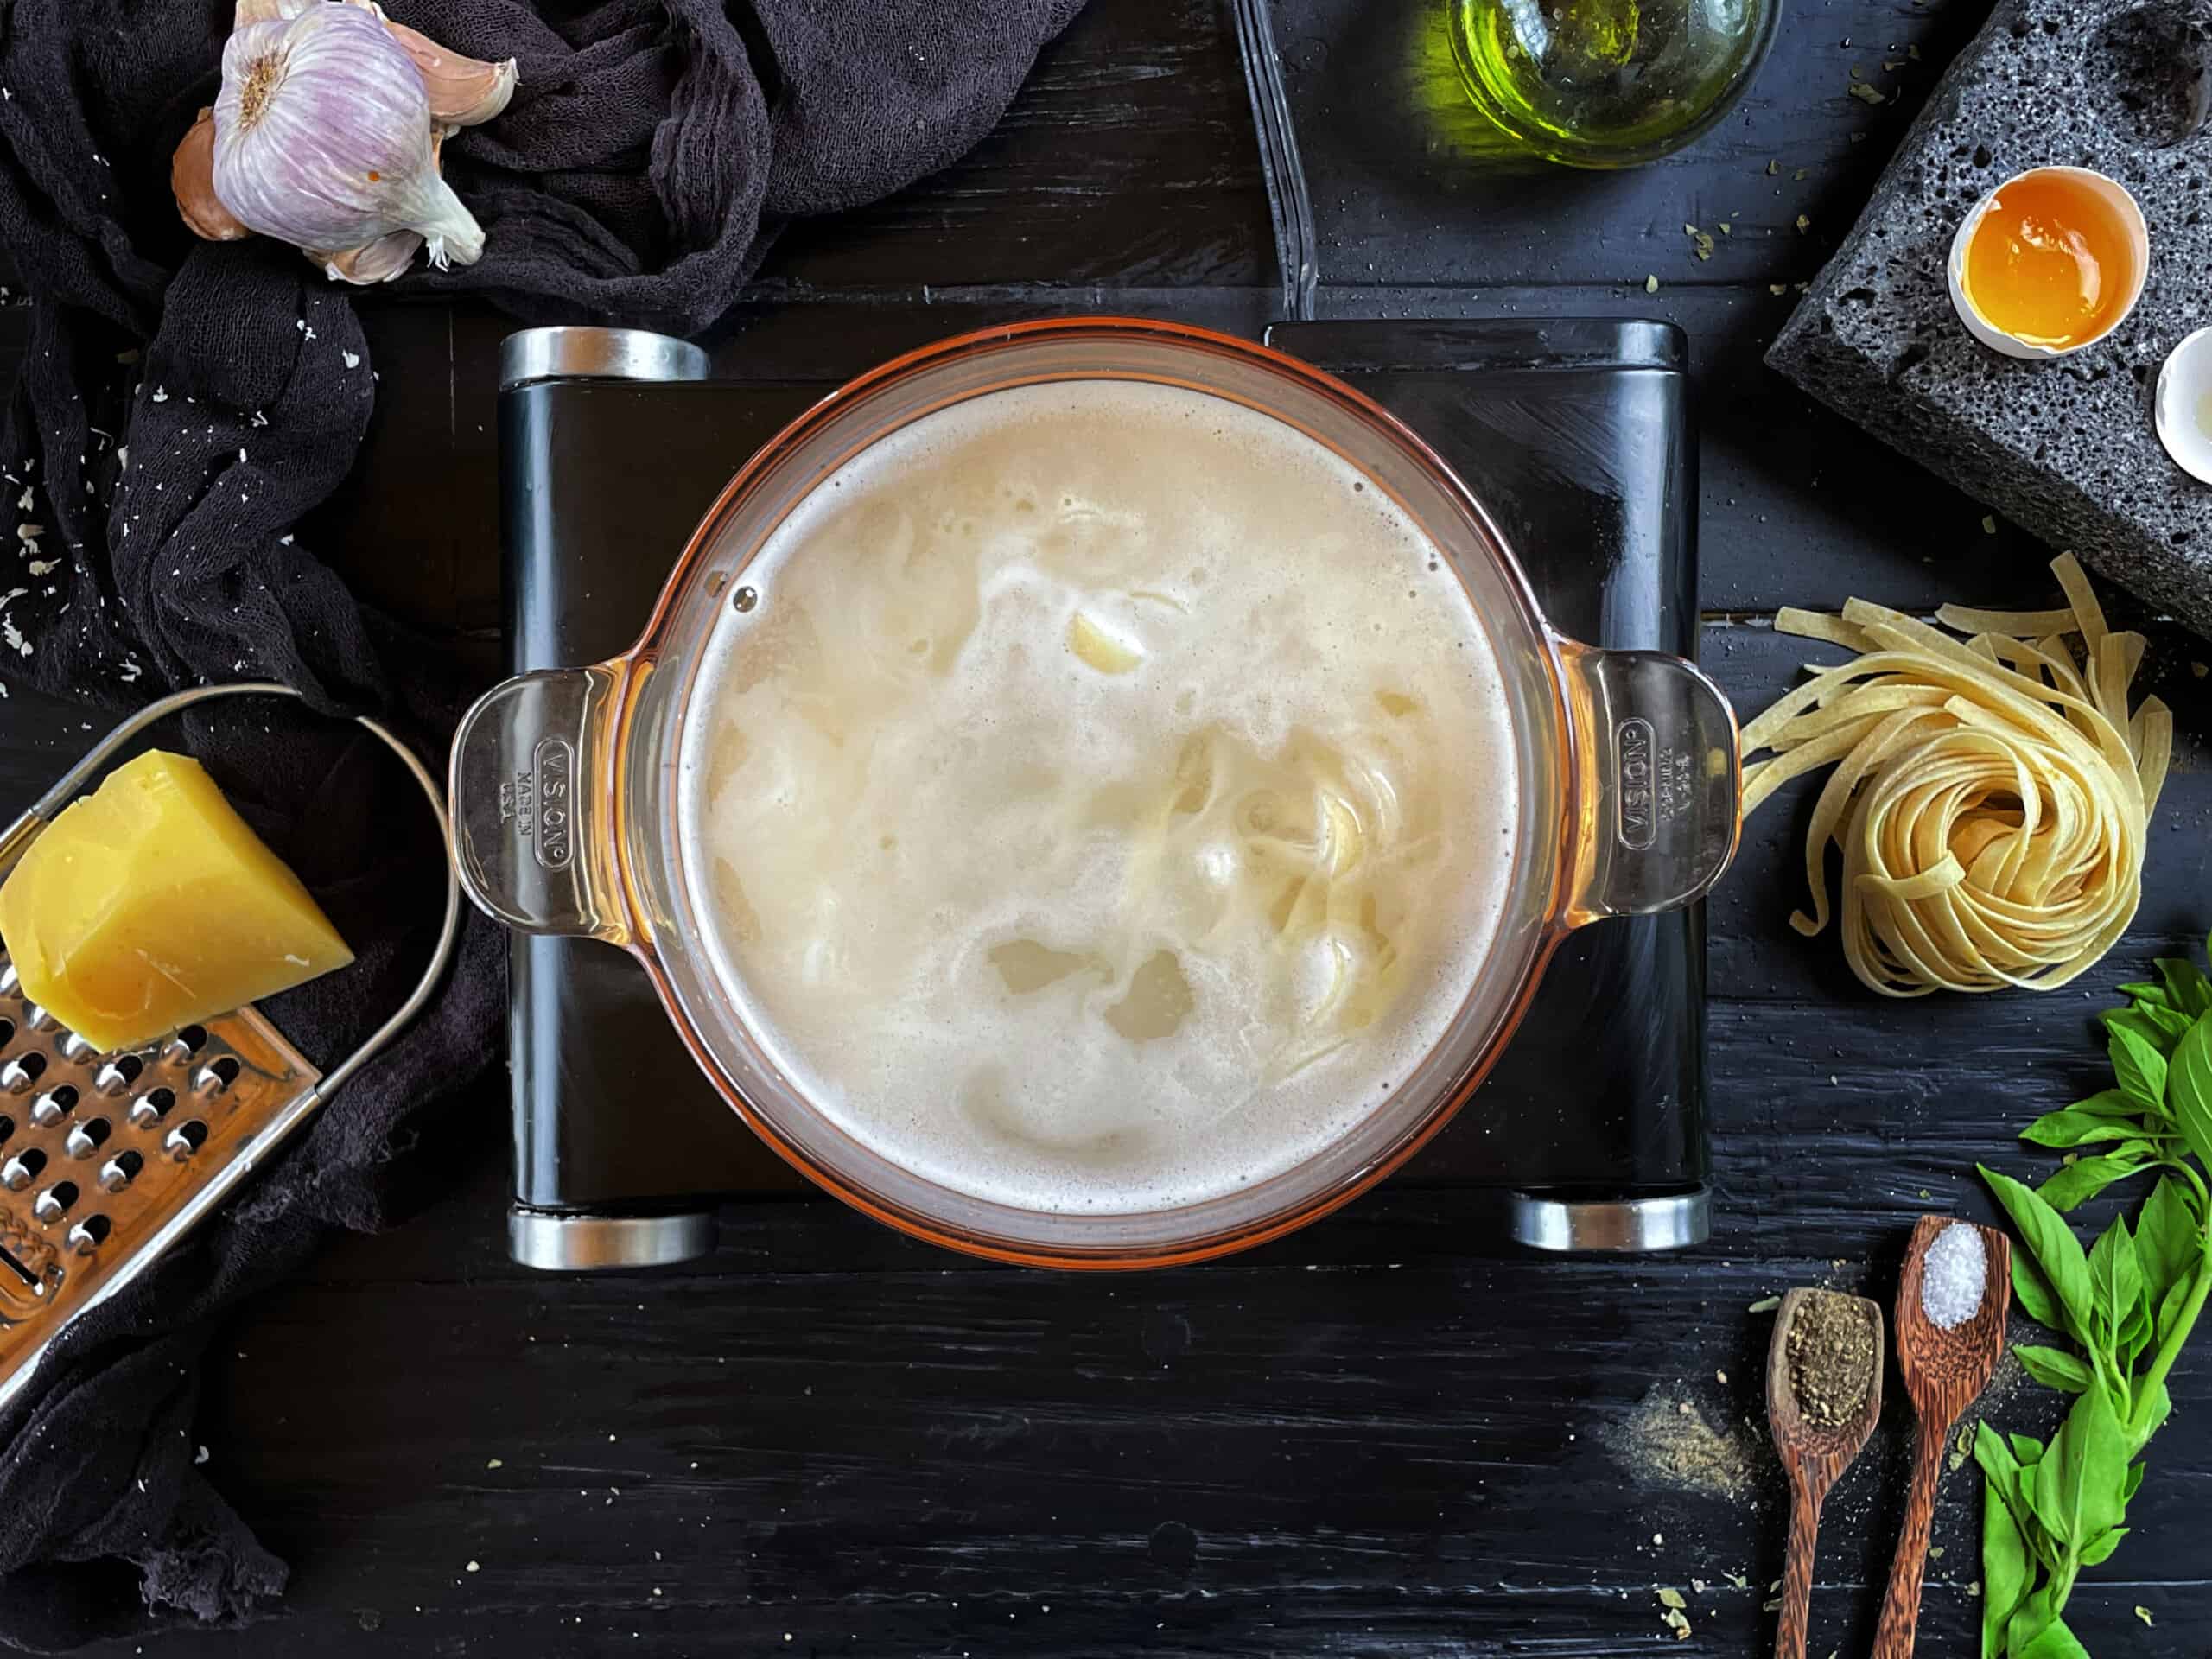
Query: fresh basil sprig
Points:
[2127, 1304]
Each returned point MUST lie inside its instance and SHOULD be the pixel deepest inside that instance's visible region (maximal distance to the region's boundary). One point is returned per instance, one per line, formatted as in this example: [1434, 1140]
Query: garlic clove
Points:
[191, 180]
[463, 91]
[372, 262]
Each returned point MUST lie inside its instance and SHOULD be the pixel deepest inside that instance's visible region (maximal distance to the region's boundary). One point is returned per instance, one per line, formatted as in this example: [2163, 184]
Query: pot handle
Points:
[1659, 782]
[531, 785]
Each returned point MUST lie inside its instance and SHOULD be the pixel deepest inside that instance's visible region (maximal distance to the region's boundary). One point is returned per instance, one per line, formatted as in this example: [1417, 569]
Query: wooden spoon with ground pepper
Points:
[1823, 1393]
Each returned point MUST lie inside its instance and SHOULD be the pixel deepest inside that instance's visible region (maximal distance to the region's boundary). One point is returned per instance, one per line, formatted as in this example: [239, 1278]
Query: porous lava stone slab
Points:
[2065, 449]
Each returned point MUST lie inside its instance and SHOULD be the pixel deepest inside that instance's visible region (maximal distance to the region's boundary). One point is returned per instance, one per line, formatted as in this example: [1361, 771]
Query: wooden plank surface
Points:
[1368, 1439]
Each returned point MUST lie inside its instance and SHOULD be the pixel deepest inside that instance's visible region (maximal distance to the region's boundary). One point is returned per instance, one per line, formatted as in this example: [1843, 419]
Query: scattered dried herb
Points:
[1669, 1443]
[1832, 1349]
[1866, 94]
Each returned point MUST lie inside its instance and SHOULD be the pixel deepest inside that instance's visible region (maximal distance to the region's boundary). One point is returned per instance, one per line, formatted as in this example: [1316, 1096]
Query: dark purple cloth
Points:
[180, 407]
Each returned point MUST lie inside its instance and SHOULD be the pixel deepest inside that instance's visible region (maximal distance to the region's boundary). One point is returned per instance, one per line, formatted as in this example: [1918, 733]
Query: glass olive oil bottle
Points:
[1607, 83]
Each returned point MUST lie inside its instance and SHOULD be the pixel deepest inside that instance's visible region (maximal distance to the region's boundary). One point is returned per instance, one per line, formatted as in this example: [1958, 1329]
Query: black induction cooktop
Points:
[1590, 1131]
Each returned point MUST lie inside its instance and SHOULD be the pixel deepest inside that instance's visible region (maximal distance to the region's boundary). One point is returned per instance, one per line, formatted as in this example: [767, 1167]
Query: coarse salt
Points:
[1954, 1276]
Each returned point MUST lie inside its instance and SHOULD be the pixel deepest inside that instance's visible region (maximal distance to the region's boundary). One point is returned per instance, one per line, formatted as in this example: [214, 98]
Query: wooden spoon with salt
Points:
[1945, 1369]
[1813, 1453]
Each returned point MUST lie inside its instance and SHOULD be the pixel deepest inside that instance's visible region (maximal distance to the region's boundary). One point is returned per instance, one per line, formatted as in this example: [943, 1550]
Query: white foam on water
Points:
[1109, 796]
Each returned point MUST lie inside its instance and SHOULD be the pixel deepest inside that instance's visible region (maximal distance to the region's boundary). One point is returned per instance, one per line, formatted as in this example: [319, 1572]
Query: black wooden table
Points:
[1365, 1439]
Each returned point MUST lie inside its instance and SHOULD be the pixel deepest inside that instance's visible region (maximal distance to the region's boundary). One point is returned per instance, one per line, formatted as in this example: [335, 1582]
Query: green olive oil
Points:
[1607, 83]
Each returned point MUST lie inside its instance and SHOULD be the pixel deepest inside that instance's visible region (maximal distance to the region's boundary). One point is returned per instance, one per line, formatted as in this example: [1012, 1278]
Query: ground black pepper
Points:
[1831, 1358]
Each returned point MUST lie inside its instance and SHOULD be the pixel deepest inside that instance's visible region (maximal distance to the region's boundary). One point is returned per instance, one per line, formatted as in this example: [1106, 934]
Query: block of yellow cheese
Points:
[149, 904]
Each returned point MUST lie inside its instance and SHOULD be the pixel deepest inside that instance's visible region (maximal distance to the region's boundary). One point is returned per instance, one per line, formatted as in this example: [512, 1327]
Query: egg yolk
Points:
[2051, 261]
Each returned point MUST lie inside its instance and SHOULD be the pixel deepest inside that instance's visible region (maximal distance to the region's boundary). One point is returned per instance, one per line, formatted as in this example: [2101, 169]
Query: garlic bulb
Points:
[323, 137]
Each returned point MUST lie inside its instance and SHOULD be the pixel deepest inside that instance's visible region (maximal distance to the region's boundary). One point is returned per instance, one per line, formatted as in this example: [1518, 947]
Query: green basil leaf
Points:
[2188, 1089]
[2115, 1277]
[2027, 1449]
[2174, 1304]
[2006, 1569]
[2109, 1102]
[2168, 1240]
[2029, 1621]
[2141, 1069]
[2169, 1023]
[2073, 1184]
[2135, 1335]
[2143, 991]
[2079, 1482]
[2134, 1483]
[2056, 1252]
[2099, 1549]
[2158, 1029]
[2187, 989]
[2031, 1293]
[2152, 1413]
[2054, 1641]
[2069, 1128]
[2056, 1369]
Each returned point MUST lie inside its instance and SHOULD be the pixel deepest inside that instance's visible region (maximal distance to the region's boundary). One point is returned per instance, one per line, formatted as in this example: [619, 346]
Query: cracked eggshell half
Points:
[2184, 405]
[1998, 340]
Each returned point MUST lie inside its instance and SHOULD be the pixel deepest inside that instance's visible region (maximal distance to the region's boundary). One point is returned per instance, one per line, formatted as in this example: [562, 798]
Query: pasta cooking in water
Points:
[1991, 795]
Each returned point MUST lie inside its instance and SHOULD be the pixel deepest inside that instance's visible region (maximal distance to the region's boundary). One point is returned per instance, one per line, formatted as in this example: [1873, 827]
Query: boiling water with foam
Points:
[1108, 795]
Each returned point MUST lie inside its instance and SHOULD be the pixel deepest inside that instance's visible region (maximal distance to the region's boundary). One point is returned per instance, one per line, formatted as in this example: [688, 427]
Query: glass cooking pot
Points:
[566, 819]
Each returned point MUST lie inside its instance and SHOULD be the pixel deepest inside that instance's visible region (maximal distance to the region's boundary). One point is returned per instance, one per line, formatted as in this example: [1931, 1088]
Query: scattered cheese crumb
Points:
[497, 1463]
[1651, 285]
[354, 361]
[474, 1567]
[161, 394]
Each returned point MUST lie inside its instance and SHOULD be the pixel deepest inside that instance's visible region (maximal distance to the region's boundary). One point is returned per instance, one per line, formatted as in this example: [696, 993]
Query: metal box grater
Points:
[107, 1159]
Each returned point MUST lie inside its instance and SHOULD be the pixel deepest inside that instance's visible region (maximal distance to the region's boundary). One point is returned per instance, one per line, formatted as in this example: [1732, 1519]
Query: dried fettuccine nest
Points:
[1990, 794]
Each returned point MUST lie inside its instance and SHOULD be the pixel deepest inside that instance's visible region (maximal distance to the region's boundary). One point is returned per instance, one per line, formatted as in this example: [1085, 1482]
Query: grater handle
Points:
[532, 833]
